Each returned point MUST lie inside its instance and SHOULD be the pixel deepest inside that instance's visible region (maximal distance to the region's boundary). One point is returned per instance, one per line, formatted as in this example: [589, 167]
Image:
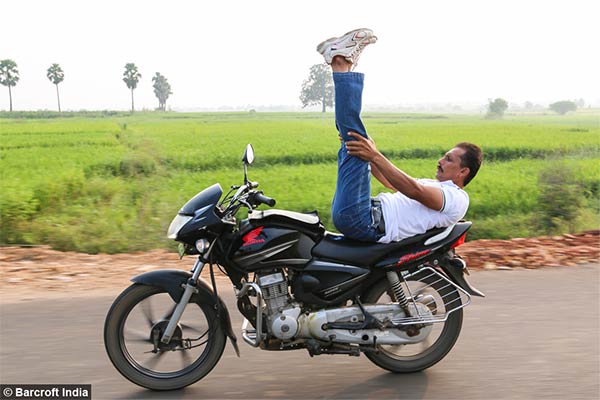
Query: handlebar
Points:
[247, 197]
[260, 198]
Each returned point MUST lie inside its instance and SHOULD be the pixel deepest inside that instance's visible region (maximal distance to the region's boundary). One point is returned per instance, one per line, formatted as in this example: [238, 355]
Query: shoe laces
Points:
[356, 52]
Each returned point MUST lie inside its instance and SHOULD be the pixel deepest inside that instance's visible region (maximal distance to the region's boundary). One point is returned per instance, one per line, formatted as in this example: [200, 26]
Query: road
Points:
[535, 335]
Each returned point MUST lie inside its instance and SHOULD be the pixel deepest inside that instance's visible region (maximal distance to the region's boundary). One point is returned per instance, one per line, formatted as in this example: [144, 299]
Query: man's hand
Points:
[392, 177]
[362, 147]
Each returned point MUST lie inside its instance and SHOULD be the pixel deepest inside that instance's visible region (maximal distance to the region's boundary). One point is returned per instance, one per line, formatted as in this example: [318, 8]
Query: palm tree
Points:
[56, 76]
[162, 90]
[131, 77]
[9, 76]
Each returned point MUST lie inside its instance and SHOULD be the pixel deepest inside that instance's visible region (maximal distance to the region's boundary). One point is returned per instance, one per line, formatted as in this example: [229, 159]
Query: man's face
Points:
[449, 168]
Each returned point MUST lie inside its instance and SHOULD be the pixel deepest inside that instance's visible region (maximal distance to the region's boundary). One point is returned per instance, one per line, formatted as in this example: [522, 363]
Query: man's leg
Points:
[351, 207]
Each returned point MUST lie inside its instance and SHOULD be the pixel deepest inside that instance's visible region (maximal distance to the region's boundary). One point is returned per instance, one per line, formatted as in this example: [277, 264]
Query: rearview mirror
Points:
[248, 155]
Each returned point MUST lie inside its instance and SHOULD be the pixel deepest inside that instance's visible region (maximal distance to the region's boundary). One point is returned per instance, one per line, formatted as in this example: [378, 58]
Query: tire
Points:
[389, 357]
[128, 354]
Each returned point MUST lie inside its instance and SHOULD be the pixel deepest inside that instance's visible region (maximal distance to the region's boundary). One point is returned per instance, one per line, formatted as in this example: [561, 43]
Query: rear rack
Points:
[431, 277]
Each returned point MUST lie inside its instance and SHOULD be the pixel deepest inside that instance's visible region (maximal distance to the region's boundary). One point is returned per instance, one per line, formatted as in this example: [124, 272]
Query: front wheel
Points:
[132, 332]
[440, 298]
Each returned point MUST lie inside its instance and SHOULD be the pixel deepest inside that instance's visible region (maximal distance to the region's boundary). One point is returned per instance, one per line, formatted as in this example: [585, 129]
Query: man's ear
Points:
[464, 172]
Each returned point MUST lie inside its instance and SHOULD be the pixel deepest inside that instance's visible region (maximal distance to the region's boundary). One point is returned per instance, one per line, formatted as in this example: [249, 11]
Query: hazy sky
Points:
[240, 52]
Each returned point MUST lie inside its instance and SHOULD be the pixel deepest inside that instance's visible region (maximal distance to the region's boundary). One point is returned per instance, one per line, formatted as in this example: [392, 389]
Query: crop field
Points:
[112, 183]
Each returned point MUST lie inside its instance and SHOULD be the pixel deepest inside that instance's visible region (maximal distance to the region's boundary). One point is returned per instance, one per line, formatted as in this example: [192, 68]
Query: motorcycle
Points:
[297, 286]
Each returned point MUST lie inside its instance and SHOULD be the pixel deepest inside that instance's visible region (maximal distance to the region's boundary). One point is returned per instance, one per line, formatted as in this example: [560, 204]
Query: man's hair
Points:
[471, 159]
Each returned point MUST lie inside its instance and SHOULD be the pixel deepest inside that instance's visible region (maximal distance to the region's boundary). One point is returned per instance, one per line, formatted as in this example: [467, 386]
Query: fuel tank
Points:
[275, 238]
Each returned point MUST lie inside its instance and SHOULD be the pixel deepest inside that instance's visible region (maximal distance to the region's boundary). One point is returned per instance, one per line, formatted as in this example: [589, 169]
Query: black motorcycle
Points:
[298, 287]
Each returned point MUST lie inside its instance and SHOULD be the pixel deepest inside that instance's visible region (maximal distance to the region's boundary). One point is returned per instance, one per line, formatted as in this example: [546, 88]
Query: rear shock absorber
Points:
[398, 291]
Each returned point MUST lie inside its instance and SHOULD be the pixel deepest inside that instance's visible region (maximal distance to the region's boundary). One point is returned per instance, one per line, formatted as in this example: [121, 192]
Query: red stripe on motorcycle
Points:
[409, 257]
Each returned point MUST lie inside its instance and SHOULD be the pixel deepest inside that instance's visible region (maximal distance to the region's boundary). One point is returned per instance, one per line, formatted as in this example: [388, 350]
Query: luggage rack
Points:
[432, 278]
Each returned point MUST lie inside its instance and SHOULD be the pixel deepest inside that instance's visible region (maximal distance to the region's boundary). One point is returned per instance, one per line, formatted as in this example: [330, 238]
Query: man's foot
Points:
[349, 46]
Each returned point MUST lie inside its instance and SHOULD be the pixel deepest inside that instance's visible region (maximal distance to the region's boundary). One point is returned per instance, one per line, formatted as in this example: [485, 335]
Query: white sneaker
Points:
[350, 45]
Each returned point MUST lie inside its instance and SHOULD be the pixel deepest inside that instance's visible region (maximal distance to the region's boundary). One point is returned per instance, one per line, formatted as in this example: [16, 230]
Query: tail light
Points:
[460, 241]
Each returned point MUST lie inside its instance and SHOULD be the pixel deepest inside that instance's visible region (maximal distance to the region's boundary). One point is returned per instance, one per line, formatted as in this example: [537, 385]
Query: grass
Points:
[112, 182]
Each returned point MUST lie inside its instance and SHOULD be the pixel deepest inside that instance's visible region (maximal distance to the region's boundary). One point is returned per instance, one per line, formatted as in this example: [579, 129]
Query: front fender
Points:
[173, 282]
[168, 279]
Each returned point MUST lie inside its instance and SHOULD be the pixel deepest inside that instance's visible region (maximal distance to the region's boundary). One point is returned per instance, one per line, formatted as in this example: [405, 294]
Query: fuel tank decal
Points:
[264, 254]
[252, 237]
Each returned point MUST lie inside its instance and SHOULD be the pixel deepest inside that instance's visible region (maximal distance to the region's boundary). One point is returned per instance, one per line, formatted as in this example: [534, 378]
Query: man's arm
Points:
[379, 176]
[429, 196]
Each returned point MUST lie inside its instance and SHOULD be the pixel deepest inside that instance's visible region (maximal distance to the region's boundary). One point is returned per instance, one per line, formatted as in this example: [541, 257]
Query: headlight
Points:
[202, 245]
[178, 222]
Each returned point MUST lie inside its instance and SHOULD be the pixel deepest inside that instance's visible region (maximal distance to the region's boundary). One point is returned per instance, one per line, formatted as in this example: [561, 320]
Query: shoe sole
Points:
[321, 47]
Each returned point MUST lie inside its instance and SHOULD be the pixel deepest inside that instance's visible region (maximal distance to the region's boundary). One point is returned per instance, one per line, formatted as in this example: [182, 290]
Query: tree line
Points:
[9, 76]
[497, 107]
[317, 89]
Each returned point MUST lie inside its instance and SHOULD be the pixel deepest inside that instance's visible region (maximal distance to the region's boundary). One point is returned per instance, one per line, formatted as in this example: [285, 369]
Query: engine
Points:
[285, 320]
[282, 315]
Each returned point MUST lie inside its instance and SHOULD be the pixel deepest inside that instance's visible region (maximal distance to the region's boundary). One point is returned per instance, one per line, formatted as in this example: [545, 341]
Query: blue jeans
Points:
[351, 207]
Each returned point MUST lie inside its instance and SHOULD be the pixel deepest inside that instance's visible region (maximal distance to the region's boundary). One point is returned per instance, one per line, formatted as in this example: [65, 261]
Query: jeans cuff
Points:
[348, 77]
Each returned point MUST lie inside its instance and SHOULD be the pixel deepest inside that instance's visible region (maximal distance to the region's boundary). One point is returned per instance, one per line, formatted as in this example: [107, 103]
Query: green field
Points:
[112, 182]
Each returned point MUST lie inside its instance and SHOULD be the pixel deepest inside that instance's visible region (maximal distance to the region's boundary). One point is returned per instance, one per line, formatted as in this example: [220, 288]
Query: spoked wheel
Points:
[133, 329]
[440, 298]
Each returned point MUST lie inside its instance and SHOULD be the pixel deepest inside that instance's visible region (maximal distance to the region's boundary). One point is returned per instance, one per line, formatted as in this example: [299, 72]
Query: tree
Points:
[162, 90]
[131, 77]
[56, 75]
[497, 107]
[563, 107]
[318, 88]
[9, 76]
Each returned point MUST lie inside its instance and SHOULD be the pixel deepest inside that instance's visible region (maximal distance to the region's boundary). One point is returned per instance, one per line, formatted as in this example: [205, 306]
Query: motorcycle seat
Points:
[337, 247]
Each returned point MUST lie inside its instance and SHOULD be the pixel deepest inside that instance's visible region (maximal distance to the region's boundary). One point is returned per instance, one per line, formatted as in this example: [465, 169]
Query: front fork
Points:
[189, 290]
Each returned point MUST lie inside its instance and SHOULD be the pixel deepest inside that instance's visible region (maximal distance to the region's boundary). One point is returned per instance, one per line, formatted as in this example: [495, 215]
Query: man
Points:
[417, 204]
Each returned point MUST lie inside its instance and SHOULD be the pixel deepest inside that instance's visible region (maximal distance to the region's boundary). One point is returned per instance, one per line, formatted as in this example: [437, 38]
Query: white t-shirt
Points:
[405, 217]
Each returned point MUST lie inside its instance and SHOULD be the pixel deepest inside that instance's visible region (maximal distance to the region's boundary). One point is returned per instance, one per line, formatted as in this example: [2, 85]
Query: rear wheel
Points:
[440, 298]
[132, 332]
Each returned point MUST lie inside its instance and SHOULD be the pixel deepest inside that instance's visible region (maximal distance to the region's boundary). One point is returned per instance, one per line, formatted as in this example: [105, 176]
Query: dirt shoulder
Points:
[40, 272]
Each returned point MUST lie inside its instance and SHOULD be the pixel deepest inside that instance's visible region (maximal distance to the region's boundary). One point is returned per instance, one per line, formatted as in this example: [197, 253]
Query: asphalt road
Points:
[535, 335]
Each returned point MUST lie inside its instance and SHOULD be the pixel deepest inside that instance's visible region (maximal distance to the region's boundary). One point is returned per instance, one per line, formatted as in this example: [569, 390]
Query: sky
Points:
[252, 54]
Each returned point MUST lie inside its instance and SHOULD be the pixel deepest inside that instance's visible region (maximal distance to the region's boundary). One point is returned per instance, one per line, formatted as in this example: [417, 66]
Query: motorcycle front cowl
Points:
[200, 211]
[210, 195]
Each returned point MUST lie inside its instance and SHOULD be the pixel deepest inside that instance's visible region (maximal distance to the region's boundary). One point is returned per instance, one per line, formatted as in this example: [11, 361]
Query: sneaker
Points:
[349, 46]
